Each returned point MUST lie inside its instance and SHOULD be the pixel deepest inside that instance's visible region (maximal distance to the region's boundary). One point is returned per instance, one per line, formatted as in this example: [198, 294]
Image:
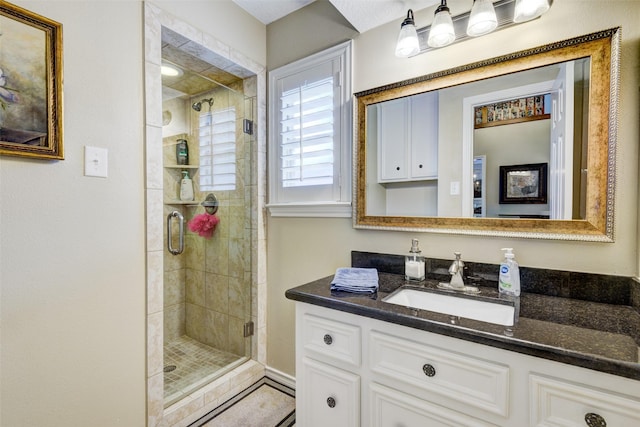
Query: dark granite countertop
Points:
[602, 337]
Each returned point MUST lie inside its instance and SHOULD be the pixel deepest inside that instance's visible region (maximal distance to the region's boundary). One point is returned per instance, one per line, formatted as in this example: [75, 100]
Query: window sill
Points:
[311, 210]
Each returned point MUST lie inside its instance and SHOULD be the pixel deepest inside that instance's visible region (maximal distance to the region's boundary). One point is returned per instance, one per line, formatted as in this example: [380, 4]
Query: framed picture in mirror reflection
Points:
[523, 184]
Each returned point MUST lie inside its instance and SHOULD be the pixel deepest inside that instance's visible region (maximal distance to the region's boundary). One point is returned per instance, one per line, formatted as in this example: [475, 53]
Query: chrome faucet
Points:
[455, 270]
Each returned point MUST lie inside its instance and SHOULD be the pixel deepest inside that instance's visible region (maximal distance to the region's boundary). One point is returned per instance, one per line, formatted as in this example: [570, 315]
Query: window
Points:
[310, 135]
[218, 150]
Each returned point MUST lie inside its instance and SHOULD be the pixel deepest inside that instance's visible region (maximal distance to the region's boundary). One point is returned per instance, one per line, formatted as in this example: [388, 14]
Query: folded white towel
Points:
[359, 280]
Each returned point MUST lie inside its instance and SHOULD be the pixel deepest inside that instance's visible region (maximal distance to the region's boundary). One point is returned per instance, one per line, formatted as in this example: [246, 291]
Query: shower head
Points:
[198, 105]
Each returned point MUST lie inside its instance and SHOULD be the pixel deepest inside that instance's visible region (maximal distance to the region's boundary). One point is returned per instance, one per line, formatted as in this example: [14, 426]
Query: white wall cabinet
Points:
[408, 139]
[357, 371]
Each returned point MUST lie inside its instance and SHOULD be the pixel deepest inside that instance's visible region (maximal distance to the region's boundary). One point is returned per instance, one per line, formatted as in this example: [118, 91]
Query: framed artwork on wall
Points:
[512, 111]
[522, 184]
[30, 84]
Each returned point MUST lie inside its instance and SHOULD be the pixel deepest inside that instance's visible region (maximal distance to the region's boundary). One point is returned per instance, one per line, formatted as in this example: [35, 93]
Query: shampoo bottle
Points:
[182, 152]
[414, 263]
[186, 187]
[509, 281]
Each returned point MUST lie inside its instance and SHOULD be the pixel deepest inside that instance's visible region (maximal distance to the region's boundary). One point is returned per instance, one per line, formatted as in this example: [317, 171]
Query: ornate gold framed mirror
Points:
[428, 151]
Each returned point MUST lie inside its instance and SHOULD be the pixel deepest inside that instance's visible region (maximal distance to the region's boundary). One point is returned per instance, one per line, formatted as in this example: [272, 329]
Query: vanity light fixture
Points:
[485, 16]
[442, 33]
[526, 10]
[482, 19]
[407, 44]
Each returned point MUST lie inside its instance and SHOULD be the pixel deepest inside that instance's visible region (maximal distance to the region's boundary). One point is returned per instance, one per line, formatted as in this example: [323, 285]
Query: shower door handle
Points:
[175, 214]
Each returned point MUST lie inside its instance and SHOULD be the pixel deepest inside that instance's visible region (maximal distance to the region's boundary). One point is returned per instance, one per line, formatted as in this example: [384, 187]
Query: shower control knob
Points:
[331, 402]
[328, 340]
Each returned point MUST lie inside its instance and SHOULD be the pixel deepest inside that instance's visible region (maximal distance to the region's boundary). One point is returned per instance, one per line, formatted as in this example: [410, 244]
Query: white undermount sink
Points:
[470, 308]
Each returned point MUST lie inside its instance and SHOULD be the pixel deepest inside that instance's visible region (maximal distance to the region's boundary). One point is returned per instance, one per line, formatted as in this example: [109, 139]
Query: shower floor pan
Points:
[190, 365]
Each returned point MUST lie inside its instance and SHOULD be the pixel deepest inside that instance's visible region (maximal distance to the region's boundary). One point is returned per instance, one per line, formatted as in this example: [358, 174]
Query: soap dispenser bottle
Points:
[414, 263]
[186, 187]
[509, 278]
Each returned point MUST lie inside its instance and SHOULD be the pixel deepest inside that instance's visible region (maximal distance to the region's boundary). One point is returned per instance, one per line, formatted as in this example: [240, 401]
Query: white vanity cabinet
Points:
[408, 139]
[357, 371]
[327, 364]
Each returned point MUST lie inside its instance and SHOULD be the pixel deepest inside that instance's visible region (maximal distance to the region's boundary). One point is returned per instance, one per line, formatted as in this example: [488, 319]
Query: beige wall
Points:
[301, 250]
[72, 252]
[308, 30]
[527, 144]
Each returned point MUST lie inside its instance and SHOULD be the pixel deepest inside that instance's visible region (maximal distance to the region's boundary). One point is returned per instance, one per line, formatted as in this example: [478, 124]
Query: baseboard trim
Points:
[281, 377]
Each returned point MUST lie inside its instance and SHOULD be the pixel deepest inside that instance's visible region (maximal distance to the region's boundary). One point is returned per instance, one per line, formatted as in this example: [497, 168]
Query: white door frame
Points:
[468, 105]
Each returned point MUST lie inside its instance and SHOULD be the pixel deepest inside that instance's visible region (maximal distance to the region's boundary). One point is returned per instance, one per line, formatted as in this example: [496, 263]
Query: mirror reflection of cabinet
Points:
[408, 137]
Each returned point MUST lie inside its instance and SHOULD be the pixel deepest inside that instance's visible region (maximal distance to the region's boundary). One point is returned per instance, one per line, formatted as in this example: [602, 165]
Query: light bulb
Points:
[482, 19]
[407, 44]
[441, 33]
[526, 10]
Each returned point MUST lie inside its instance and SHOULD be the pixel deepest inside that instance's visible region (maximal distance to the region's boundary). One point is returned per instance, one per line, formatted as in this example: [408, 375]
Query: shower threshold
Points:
[196, 365]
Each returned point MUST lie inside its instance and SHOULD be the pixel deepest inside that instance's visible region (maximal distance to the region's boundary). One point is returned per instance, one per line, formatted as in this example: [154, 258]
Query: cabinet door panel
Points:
[454, 376]
[391, 408]
[328, 397]
[559, 403]
[337, 342]
[424, 135]
[393, 140]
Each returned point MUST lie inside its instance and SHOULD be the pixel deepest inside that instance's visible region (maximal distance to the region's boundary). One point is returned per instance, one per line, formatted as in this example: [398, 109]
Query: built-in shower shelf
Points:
[181, 202]
[181, 166]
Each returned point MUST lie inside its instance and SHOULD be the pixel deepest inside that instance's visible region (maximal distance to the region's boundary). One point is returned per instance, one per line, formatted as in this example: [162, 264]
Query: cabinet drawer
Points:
[332, 341]
[328, 396]
[464, 380]
[558, 403]
[391, 408]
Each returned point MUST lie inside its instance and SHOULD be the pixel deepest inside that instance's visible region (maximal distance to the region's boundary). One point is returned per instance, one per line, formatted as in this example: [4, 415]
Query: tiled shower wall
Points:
[208, 287]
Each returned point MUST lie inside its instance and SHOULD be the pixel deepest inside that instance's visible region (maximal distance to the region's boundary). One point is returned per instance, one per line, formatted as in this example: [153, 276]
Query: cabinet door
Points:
[451, 377]
[328, 397]
[393, 140]
[424, 135]
[391, 408]
[559, 403]
[337, 343]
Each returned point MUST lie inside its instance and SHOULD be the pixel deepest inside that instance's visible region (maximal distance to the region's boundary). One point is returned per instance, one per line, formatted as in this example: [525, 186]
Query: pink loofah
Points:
[204, 224]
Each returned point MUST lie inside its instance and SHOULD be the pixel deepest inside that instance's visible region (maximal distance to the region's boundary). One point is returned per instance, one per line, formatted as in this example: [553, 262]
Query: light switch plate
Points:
[455, 188]
[95, 161]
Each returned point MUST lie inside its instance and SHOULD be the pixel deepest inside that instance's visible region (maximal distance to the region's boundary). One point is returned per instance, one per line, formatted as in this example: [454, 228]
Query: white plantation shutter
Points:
[310, 130]
[307, 134]
[218, 150]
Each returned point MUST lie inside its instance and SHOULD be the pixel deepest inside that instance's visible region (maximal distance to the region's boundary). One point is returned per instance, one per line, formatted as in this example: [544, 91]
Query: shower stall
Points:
[207, 328]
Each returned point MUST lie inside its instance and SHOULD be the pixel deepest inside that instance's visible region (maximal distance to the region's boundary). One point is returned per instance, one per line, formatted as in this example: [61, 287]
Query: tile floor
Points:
[196, 365]
[264, 404]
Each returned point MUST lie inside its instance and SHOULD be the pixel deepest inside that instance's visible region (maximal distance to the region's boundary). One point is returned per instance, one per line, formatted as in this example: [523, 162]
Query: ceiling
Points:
[200, 76]
[363, 15]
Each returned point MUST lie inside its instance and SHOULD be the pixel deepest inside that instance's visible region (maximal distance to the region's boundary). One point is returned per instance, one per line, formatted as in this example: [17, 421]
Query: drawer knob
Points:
[331, 402]
[594, 420]
[327, 339]
[429, 370]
